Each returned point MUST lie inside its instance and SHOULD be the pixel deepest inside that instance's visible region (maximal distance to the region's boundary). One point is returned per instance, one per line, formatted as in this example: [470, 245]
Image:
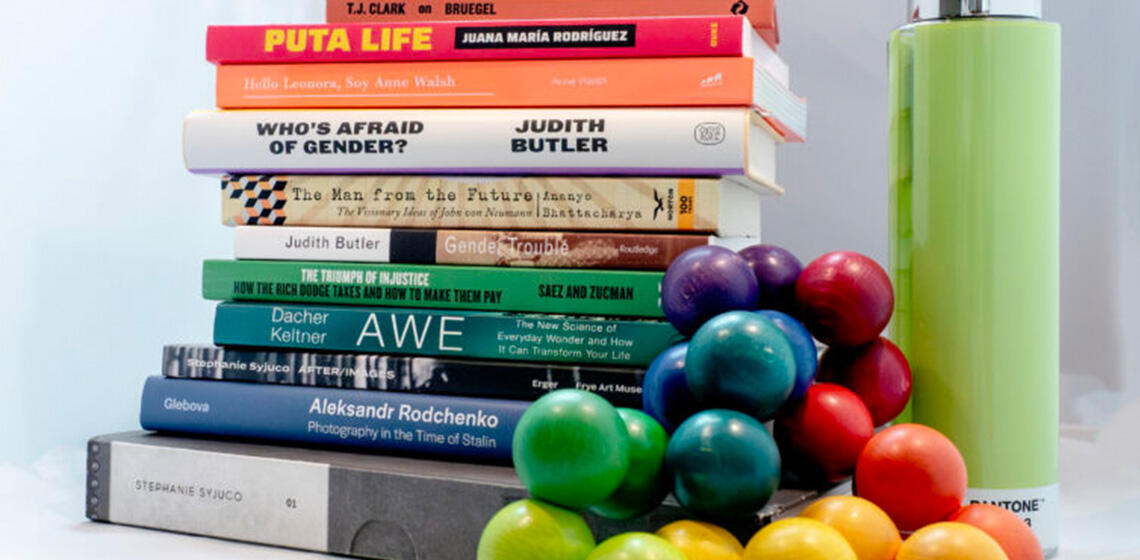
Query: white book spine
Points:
[313, 244]
[672, 141]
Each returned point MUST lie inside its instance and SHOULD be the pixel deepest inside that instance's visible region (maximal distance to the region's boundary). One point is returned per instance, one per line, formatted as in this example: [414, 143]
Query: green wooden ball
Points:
[532, 530]
[646, 483]
[636, 546]
[571, 448]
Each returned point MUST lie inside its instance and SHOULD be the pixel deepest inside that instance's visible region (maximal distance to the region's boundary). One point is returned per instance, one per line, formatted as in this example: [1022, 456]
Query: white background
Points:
[103, 232]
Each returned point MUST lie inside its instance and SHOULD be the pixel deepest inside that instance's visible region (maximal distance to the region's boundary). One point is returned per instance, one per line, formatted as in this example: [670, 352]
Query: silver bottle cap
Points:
[921, 10]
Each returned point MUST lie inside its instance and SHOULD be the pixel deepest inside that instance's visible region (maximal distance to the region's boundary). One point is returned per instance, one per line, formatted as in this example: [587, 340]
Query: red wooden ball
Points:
[1010, 531]
[914, 473]
[825, 431]
[844, 298]
[878, 372]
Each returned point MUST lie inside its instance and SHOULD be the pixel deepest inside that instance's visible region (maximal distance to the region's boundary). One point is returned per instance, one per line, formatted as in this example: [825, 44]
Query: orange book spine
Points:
[762, 13]
[676, 82]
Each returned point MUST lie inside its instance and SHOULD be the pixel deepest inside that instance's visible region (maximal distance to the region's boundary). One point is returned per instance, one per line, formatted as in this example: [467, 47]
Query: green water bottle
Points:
[974, 191]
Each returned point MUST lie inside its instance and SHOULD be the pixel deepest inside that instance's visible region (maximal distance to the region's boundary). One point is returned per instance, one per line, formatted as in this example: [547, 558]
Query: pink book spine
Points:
[465, 40]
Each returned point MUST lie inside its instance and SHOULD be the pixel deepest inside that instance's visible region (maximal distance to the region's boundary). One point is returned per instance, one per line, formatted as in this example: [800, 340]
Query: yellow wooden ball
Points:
[702, 541]
[950, 541]
[864, 525]
[798, 538]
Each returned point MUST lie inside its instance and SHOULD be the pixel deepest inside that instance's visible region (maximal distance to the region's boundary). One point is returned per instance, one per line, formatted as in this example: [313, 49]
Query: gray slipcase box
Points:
[366, 506]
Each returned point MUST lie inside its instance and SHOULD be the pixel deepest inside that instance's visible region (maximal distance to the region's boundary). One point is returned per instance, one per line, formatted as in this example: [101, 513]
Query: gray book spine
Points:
[366, 506]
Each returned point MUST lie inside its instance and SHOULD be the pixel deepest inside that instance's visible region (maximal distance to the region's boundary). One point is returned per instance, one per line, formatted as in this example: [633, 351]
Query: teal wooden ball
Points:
[724, 464]
[742, 361]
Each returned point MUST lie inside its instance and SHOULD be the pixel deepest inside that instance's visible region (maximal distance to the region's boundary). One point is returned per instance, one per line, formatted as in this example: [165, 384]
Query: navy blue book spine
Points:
[470, 429]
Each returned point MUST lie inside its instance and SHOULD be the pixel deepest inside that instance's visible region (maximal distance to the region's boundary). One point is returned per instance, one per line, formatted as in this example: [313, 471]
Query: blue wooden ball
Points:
[803, 349]
[665, 393]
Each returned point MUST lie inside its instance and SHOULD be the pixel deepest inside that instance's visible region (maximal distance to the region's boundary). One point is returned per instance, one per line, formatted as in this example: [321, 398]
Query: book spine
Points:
[466, 334]
[376, 372]
[627, 293]
[528, 249]
[657, 142]
[760, 13]
[582, 203]
[208, 492]
[480, 40]
[655, 82]
[455, 427]
[381, 507]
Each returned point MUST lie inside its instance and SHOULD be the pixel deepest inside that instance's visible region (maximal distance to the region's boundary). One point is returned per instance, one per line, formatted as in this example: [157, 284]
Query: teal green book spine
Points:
[426, 332]
[575, 292]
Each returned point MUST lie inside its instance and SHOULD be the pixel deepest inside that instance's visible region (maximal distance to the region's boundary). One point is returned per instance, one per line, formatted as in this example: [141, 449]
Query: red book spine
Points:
[465, 40]
[761, 13]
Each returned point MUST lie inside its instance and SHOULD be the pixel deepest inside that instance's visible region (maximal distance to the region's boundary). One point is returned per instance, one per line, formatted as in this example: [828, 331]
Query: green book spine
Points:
[425, 332]
[576, 292]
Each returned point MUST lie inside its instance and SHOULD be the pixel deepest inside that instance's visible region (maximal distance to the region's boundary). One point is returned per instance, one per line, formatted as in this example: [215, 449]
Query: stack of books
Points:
[436, 223]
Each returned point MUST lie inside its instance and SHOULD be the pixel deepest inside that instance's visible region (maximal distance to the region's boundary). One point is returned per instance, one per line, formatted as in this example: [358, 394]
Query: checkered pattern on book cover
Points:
[262, 198]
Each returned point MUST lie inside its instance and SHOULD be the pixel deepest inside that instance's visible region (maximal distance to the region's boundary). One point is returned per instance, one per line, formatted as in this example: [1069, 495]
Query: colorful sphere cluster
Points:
[753, 319]
[908, 477]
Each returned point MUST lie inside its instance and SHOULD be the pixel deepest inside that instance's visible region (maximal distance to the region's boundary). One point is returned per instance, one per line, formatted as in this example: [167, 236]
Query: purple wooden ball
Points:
[776, 271]
[704, 282]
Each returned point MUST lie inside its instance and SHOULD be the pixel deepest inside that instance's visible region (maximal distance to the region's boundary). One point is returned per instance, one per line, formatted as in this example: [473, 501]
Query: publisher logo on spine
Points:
[709, 133]
[714, 80]
[740, 8]
[659, 205]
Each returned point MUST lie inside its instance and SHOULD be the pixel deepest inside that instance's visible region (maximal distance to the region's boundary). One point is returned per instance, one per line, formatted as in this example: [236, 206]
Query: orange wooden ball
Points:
[914, 472]
[1010, 531]
[702, 541]
[950, 541]
[864, 525]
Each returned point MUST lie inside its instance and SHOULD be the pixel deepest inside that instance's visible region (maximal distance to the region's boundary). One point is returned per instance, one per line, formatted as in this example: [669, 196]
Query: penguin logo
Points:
[740, 8]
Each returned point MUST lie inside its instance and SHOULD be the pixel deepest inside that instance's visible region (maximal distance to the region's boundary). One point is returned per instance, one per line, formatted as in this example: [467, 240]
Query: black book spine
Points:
[413, 246]
[441, 376]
